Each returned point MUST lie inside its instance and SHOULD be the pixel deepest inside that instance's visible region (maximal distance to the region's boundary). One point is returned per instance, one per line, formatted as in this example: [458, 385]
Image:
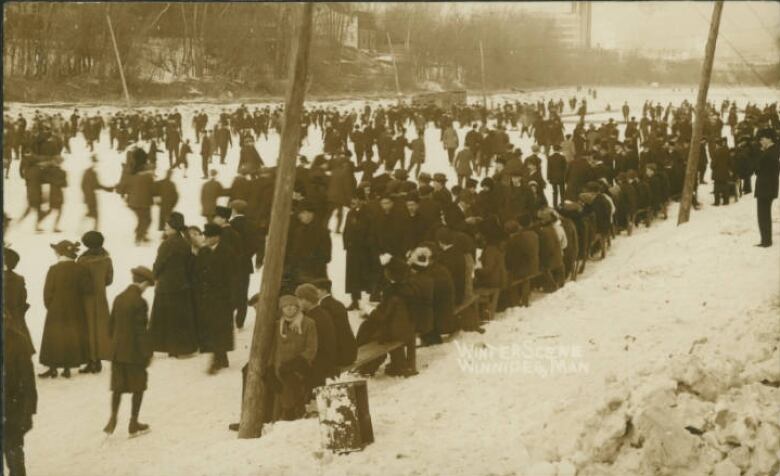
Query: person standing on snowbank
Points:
[64, 343]
[767, 170]
[132, 349]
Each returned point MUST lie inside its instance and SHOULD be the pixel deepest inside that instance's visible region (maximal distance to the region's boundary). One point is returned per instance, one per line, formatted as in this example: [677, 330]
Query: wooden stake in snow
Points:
[253, 411]
[395, 66]
[118, 61]
[482, 69]
[691, 171]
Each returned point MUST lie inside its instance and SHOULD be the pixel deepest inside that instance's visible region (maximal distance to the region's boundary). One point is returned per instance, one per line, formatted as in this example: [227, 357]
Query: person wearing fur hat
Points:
[214, 297]
[419, 295]
[294, 348]
[98, 262]
[172, 323]
[326, 359]
[131, 349]
[65, 342]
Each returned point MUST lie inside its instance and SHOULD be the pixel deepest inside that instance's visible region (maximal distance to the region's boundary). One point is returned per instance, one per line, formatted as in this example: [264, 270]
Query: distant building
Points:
[347, 27]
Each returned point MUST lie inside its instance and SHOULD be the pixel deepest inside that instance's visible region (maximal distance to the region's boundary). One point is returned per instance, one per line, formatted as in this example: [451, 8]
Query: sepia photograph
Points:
[391, 238]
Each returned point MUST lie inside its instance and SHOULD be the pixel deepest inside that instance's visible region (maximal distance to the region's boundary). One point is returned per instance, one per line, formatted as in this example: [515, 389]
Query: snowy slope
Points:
[657, 292]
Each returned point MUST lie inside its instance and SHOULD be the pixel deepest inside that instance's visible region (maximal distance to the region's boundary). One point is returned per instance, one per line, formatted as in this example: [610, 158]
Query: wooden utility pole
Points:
[395, 66]
[118, 61]
[692, 168]
[253, 411]
[482, 70]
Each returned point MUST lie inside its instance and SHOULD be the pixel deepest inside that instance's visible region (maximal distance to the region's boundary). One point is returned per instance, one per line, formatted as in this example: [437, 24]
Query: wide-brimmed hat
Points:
[144, 273]
[66, 248]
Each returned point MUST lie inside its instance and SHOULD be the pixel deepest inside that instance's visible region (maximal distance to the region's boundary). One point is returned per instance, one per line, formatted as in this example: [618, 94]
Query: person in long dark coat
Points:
[421, 286]
[165, 189]
[14, 291]
[578, 174]
[101, 269]
[131, 348]
[140, 196]
[250, 238]
[556, 174]
[767, 170]
[361, 262]
[387, 229]
[444, 320]
[452, 258]
[326, 359]
[249, 156]
[172, 324]
[346, 345]
[209, 194]
[214, 297]
[522, 258]
[20, 397]
[65, 343]
[308, 251]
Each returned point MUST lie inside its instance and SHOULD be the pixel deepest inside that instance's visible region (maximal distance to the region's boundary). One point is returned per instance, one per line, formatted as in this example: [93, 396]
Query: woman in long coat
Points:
[101, 269]
[65, 343]
[172, 324]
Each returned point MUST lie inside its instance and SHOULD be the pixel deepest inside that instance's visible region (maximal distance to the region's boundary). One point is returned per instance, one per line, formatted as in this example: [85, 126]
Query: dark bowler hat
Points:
[211, 229]
[10, 258]
[439, 177]
[223, 212]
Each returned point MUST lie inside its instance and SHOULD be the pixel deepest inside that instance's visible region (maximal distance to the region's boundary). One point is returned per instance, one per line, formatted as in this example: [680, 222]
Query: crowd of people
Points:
[417, 246]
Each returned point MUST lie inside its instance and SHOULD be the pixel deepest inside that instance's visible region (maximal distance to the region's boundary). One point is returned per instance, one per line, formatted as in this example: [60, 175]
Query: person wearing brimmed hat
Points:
[295, 347]
[214, 301]
[172, 322]
[250, 236]
[64, 343]
[361, 262]
[101, 269]
[131, 348]
[767, 170]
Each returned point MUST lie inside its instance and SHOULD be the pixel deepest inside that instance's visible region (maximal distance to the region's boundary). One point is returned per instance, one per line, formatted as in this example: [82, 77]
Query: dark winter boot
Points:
[87, 369]
[135, 428]
[110, 426]
[66, 373]
[51, 373]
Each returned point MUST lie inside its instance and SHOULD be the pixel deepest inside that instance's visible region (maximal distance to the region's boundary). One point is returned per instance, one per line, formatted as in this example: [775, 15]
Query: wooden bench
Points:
[374, 350]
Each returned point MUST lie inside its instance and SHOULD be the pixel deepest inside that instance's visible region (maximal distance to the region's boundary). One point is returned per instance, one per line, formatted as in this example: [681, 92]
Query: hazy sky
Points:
[750, 27]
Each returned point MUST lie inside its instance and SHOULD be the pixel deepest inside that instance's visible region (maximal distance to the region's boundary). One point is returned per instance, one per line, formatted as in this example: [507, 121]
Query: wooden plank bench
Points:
[373, 350]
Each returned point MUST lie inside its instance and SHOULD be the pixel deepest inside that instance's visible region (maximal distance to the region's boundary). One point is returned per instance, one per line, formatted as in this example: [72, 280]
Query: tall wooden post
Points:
[691, 171]
[118, 61]
[395, 66]
[252, 408]
[482, 71]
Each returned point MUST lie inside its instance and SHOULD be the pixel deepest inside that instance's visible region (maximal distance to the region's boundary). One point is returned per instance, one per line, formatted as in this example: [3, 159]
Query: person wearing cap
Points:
[20, 397]
[309, 248]
[214, 297]
[209, 194]
[361, 262]
[101, 269]
[172, 323]
[767, 170]
[65, 341]
[325, 362]
[293, 352]
[131, 349]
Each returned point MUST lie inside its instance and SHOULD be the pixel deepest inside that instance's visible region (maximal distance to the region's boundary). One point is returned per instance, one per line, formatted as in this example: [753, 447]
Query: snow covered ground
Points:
[472, 410]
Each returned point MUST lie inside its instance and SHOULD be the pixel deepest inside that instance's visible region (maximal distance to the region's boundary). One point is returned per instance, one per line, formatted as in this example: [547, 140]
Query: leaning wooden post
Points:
[252, 408]
[395, 66]
[691, 171]
[482, 70]
[118, 61]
